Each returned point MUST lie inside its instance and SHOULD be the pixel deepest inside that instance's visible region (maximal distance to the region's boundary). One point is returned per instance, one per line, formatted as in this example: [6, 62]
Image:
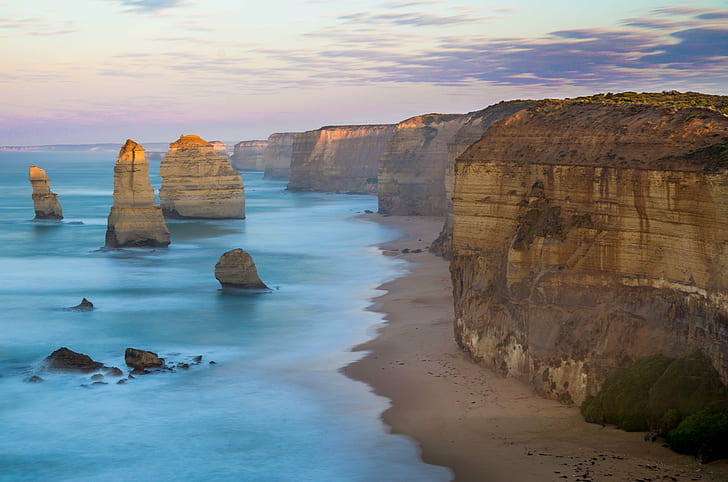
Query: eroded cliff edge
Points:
[248, 155]
[343, 159]
[277, 156]
[411, 177]
[587, 234]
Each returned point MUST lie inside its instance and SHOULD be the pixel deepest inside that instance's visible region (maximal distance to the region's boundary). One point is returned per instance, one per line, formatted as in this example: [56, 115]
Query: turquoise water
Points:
[272, 408]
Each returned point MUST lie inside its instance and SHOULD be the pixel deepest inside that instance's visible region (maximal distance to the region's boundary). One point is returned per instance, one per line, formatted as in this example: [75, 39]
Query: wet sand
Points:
[486, 428]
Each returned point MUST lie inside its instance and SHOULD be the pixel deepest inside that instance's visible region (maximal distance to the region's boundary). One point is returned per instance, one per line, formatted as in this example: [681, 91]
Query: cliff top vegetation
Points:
[671, 98]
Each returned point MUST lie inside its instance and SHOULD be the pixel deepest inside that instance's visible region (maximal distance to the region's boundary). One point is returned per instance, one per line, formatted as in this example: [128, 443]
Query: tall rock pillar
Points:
[45, 202]
[135, 219]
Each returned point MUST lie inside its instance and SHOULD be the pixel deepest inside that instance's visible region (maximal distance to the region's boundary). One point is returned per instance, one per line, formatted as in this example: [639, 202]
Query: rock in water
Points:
[135, 220]
[199, 183]
[84, 305]
[45, 202]
[249, 155]
[237, 270]
[277, 155]
[64, 359]
[142, 359]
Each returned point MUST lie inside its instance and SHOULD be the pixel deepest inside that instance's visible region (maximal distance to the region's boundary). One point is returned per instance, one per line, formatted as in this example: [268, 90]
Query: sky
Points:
[91, 71]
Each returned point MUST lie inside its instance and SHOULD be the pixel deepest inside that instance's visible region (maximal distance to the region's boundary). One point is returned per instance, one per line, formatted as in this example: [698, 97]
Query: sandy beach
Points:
[486, 428]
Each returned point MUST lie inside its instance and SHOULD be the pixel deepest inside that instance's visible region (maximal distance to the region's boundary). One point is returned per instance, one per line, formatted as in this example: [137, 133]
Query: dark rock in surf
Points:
[85, 305]
[140, 360]
[64, 359]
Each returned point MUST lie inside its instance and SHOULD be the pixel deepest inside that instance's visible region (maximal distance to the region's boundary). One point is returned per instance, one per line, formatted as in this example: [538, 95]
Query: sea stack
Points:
[277, 156]
[135, 219]
[236, 270]
[45, 202]
[248, 155]
[199, 183]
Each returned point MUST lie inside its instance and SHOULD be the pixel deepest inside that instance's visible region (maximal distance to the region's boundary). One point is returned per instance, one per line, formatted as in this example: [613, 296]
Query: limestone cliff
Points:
[45, 202]
[220, 149]
[343, 159]
[476, 123]
[248, 155]
[198, 183]
[411, 177]
[277, 156]
[590, 233]
[135, 219]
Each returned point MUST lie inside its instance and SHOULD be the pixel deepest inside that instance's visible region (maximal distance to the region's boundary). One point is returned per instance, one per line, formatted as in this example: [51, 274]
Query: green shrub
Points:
[703, 434]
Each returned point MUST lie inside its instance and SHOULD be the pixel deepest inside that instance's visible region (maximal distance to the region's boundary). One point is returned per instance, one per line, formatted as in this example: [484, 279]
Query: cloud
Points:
[150, 6]
[36, 26]
[410, 19]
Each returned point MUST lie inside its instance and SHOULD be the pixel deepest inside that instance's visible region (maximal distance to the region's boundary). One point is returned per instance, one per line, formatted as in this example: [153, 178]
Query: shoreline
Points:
[465, 417]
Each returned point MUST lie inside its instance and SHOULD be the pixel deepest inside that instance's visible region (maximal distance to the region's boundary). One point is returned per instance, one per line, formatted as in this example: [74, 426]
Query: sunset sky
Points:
[84, 71]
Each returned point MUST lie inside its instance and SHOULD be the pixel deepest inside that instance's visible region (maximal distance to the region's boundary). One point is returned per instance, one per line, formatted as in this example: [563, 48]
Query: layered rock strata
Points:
[277, 156]
[236, 270]
[220, 149]
[476, 123]
[45, 202]
[198, 183]
[411, 176]
[587, 235]
[135, 219]
[342, 159]
[248, 155]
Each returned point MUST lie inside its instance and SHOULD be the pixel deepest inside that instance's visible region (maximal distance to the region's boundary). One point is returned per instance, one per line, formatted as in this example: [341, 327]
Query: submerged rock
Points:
[33, 379]
[236, 270]
[45, 202]
[140, 360]
[85, 305]
[135, 219]
[64, 359]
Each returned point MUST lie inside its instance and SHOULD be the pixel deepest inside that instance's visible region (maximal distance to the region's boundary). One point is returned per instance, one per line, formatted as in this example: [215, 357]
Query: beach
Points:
[464, 416]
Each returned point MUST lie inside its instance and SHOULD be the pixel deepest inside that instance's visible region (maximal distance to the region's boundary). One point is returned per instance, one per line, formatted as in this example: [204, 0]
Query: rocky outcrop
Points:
[135, 219]
[588, 234]
[476, 123]
[84, 305]
[45, 202]
[220, 149]
[142, 359]
[236, 270]
[342, 159]
[64, 359]
[411, 177]
[248, 155]
[277, 156]
[198, 183]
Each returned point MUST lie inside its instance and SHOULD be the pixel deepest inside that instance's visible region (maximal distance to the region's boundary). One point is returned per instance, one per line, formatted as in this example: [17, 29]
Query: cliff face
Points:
[45, 202]
[587, 235]
[277, 156]
[411, 177]
[198, 183]
[249, 155]
[475, 124]
[135, 219]
[342, 159]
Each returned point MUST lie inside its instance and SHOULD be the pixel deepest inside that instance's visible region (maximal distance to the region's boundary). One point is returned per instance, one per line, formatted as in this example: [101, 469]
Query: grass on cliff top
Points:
[671, 98]
[676, 398]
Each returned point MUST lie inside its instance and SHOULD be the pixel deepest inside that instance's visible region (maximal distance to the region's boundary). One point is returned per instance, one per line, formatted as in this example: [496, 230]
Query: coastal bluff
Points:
[199, 183]
[248, 155]
[591, 232]
[411, 175]
[45, 202]
[277, 156]
[135, 219]
[341, 159]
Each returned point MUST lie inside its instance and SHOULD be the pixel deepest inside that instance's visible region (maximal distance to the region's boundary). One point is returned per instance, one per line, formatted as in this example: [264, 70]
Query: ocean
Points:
[273, 406]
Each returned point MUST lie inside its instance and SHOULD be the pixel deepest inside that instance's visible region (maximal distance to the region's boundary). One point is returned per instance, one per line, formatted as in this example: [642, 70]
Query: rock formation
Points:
[220, 149]
[198, 183]
[476, 123]
[248, 155]
[84, 305]
[590, 233]
[343, 159]
[411, 177]
[45, 202]
[277, 156]
[236, 269]
[135, 219]
[64, 359]
[141, 360]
